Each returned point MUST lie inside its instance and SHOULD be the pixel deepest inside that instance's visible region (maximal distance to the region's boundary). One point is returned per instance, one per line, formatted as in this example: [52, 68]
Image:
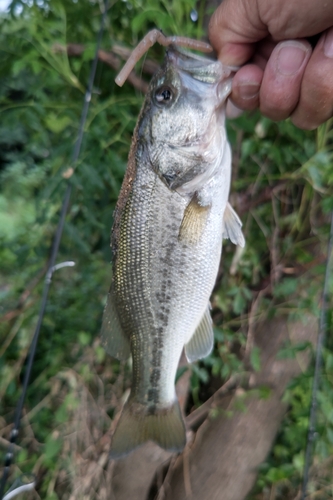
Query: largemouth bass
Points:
[170, 219]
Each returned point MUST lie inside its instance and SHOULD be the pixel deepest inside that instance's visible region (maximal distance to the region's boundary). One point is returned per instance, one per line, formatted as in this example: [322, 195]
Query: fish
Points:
[166, 240]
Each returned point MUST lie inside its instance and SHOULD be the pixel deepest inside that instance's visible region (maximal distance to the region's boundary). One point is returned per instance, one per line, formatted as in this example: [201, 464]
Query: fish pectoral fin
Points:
[114, 340]
[232, 226]
[138, 424]
[194, 222]
[202, 341]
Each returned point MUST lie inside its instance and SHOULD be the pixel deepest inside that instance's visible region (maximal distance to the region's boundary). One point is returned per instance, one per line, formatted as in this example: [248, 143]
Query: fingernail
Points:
[290, 57]
[233, 111]
[328, 44]
[248, 90]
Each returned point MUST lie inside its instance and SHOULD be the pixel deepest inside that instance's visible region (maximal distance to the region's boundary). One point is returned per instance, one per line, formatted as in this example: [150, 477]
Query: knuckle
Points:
[314, 107]
[277, 107]
[245, 104]
[279, 97]
[304, 123]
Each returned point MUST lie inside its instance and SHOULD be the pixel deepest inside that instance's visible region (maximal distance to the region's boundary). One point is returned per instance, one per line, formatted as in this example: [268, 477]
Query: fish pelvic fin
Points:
[139, 423]
[194, 222]
[232, 226]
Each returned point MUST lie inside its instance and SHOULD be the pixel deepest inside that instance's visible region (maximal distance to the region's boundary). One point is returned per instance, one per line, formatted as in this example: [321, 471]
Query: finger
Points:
[281, 85]
[315, 105]
[246, 86]
[232, 111]
[247, 81]
[233, 29]
[263, 52]
[237, 24]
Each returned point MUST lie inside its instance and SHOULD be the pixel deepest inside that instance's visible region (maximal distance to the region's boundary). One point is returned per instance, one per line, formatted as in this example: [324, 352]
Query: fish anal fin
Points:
[194, 222]
[233, 226]
[114, 340]
[202, 341]
[138, 424]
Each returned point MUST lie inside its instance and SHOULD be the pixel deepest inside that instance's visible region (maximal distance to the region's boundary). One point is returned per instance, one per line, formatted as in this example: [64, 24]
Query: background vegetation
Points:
[282, 188]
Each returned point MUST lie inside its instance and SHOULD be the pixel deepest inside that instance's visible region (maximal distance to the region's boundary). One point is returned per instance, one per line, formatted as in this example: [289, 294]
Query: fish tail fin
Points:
[139, 423]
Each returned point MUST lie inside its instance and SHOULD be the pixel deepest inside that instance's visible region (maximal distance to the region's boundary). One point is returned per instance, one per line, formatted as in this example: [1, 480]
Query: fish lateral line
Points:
[148, 41]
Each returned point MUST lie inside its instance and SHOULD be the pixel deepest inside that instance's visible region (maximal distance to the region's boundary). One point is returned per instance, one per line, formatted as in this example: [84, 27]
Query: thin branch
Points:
[9, 315]
[112, 60]
[197, 417]
[246, 201]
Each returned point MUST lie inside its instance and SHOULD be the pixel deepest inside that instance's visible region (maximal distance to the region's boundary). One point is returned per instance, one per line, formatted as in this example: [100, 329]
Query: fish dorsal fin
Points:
[114, 340]
[194, 221]
[232, 226]
[202, 341]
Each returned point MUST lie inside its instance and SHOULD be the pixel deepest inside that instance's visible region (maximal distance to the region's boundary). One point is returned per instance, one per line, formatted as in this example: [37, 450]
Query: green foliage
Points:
[75, 388]
[41, 97]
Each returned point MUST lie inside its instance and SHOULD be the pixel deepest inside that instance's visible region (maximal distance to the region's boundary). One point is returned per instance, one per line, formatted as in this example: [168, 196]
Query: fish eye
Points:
[163, 95]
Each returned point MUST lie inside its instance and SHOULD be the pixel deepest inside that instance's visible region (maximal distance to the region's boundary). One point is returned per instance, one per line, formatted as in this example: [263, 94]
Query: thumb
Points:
[234, 28]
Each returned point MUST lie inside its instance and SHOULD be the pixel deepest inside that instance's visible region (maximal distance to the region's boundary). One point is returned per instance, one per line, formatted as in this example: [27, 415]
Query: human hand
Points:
[281, 73]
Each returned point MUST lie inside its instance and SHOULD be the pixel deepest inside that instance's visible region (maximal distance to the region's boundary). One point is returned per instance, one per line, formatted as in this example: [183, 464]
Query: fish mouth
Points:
[203, 70]
[198, 67]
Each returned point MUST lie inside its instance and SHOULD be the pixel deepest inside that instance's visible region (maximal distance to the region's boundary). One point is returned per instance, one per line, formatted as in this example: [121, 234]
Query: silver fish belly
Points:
[170, 219]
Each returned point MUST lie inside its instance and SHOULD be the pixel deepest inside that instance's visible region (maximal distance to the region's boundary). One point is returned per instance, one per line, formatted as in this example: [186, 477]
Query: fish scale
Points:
[170, 218]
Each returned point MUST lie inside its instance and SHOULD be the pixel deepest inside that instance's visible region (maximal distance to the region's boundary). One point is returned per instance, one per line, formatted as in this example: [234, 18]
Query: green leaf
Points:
[286, 288]
[255, 359]
[56, 123]
[201, 373]
[52, 448]
[158, 17]
[84, 338]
